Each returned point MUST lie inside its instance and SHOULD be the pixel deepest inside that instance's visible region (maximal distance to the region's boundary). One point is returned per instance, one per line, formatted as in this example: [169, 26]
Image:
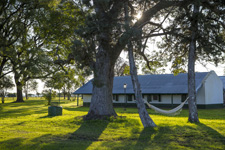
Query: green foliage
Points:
[5, 84]
[156, 68]
[120, 67]
[49, 95]
[40, 32]
[28, 126]
[210, 44]
[30, 85]
[126, 70]
[69, 78]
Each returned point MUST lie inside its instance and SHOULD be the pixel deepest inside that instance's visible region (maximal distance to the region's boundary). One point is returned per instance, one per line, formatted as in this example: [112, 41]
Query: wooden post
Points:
[77, 99]
[172, 100]
[59, 97]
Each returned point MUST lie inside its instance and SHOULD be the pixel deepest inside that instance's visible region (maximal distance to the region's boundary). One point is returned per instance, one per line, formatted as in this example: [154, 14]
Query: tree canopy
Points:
[34, 36]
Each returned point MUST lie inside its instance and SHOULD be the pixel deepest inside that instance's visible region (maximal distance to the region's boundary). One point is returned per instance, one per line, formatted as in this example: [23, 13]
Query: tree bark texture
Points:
[26, 95]
[68, 95]
[193, 112]
[19, 92]
[3, 99]
[145, 118]
[101, 101]
[19, 88]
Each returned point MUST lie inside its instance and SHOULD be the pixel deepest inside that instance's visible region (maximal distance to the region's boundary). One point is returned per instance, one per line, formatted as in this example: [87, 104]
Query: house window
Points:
[156, 98]
[134, 98]
[183, 97]
[149, 98]
[129, 97]
[116, 97]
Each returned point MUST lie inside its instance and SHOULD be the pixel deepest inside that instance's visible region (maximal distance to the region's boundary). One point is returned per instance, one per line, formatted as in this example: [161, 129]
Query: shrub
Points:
[49, 95]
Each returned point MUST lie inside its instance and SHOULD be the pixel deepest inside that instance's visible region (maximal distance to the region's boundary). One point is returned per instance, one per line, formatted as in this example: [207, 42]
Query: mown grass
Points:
[28, 126]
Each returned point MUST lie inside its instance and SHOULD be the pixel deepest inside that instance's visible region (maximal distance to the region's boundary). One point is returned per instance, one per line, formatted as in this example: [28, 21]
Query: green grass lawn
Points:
[28, 126]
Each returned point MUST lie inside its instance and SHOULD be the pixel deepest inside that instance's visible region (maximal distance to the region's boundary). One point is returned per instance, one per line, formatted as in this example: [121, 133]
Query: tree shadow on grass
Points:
[146, 136]
[117, 109]
[27, 103]
[14, 144]
[19, 112]
[89, 132]
[172, 137]
[155, 138]
[79, 108]
[82, 138]
[47, 116]
[12, 110]
[188, 136]
[214, 135]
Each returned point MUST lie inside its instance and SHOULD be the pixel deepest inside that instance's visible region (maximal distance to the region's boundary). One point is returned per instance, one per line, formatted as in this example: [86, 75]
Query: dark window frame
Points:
[134, 97]
[183, 97]
[149, 98]
[129, 97]
[155, 97]
[158, 97]
[116, 97]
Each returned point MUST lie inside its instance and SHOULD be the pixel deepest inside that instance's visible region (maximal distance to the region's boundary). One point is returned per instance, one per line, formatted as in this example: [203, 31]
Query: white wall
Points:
[177, 99]
[213, 89]
[201, 95]
[87, 98]
[121, 99]
[165, 99]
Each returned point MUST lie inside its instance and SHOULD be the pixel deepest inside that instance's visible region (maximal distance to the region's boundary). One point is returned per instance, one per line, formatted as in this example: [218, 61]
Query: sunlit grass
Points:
[28, 126]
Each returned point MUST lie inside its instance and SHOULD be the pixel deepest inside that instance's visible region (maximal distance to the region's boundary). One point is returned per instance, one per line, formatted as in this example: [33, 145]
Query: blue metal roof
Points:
[151, 84]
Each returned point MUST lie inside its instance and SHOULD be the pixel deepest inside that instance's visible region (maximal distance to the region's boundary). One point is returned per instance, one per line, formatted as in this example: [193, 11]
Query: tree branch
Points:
[147, 15]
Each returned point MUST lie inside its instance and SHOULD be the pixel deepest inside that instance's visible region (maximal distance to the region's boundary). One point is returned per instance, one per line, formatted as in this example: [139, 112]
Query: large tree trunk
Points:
[26, 95]
[145, 118]
[3, 99]
[193, 112]
[19, 88]
[68, 95]
[25, 90]
[64, 93]
[101, 101]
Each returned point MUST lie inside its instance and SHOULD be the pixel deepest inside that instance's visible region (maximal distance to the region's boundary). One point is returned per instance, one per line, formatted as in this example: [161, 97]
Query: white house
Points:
[165, 90]
[223, 80]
